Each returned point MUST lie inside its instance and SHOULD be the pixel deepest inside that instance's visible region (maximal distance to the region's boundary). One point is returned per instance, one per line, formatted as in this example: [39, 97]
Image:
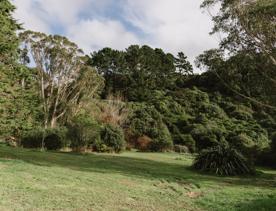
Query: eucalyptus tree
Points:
[248, 24]
[63, 78]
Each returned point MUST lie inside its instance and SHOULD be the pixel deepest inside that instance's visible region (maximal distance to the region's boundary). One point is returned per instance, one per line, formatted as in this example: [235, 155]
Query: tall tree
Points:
[63, 77]
[183, 66]
[16, 97]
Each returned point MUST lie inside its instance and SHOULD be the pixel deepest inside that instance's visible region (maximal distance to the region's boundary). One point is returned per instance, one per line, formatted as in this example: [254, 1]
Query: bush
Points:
[147, 121]
[181, 149]
[113, 138]
[33, 138]
[143, 143]
[186, 140]
[82, 132]
[222, 160]
[54, 138]
[273, 142]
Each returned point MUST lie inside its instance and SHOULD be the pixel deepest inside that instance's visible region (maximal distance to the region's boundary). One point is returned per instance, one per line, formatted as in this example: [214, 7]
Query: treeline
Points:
[142, 97]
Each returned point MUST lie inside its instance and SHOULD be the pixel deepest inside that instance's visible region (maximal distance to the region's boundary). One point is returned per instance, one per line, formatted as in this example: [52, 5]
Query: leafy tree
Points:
[17, 100]
[182, 65]
[135, 72]
[63, 77]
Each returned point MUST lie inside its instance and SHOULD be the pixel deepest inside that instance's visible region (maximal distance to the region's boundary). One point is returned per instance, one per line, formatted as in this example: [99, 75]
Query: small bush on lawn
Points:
[33, 138]
[222, 160]
[82, 131]
[113, 138]
[186, 140]
[143, 143]
[54, 138]
[181, 149]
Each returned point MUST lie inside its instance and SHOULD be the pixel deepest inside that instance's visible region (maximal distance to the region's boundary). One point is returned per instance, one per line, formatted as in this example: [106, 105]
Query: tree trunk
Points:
[53, 122]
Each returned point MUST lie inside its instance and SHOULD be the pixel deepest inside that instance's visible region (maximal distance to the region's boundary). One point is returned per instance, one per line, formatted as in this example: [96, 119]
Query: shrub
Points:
[186, 140]
[147, 121]
[82, 131]
[113, 138]
[222, 160]
[181, 149]
[273, 142]
[55, 138]
[33, 138]
[143, 143]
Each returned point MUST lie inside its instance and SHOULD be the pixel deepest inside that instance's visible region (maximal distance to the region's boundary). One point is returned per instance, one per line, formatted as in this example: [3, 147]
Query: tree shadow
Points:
[138, 167]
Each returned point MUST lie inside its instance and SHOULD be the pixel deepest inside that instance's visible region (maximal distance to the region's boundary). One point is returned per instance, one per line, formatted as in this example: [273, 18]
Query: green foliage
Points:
[112, 139]
[138, 71]
[56, 138]
[146, 120]
[185, 140]
[222, 160]
[50, 139]
[82, 132]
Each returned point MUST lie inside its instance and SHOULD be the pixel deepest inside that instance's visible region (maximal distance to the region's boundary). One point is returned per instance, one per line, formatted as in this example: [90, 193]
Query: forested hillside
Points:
[144, 98]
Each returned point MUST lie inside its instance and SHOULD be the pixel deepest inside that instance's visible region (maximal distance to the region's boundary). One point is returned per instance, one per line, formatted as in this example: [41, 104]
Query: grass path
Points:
[32, 180]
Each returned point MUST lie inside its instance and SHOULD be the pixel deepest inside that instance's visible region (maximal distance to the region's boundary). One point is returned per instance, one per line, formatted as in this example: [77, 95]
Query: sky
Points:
[173, 25]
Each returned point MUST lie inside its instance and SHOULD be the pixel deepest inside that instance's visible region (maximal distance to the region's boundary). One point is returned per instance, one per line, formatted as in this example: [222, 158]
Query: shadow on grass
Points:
[265, 204]
[130, 166]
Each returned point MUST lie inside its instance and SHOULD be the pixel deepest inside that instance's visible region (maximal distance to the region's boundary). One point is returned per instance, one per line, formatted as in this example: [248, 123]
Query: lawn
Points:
[33, 180]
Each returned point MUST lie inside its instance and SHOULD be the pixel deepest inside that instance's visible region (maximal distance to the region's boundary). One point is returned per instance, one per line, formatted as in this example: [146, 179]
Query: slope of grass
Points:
[33, 180]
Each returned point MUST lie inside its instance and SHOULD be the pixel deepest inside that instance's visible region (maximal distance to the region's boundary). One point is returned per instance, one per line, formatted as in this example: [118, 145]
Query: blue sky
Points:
[174, 25]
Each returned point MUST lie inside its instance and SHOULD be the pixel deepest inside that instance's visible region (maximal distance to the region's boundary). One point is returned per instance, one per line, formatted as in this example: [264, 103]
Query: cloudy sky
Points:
[174, 25]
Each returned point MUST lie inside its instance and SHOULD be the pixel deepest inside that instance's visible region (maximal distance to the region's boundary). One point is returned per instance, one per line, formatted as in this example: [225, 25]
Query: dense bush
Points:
[33, 138]
[112, 139]
[222, 160]
[82, 132]
[51, 138]
[143, 143]
[181, 149]
[145, 120]
[185, 140]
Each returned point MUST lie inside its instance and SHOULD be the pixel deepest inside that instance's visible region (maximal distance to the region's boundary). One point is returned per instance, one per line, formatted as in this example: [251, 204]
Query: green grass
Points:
[33, 180]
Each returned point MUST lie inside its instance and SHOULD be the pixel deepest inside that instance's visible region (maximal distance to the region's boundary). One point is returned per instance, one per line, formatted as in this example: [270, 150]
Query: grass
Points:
[33, 180]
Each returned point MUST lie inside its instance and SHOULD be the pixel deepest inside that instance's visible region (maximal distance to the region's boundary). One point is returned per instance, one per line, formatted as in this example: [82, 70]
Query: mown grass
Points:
[33, 180]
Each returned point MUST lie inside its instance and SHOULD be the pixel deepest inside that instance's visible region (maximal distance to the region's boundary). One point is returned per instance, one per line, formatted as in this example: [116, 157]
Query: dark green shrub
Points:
[113, 138]
[55, 138]
[273, 142]
[82, 132]
[186, 140]
[33, 138]
[145, 120]
[222, 160]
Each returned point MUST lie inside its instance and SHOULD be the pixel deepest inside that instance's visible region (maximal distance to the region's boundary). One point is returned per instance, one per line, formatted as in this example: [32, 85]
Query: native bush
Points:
[112, 139]
[82, 132]
[185, 140]
[50, 138]
[55, 138]
[222, 160]
[145, 120]
[33, 138]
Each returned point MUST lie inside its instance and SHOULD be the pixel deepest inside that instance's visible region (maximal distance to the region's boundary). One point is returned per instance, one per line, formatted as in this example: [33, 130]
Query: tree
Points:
[135, 72]
[17, 99]
[63, 77]
[182, 65]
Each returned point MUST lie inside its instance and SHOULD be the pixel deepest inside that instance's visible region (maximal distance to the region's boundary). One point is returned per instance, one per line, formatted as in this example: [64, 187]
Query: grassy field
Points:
[33, 180]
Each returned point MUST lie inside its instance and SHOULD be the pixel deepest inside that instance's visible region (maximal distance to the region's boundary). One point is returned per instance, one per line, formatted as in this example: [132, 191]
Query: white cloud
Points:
[174, 25]
[94, 35]
[29, 17]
